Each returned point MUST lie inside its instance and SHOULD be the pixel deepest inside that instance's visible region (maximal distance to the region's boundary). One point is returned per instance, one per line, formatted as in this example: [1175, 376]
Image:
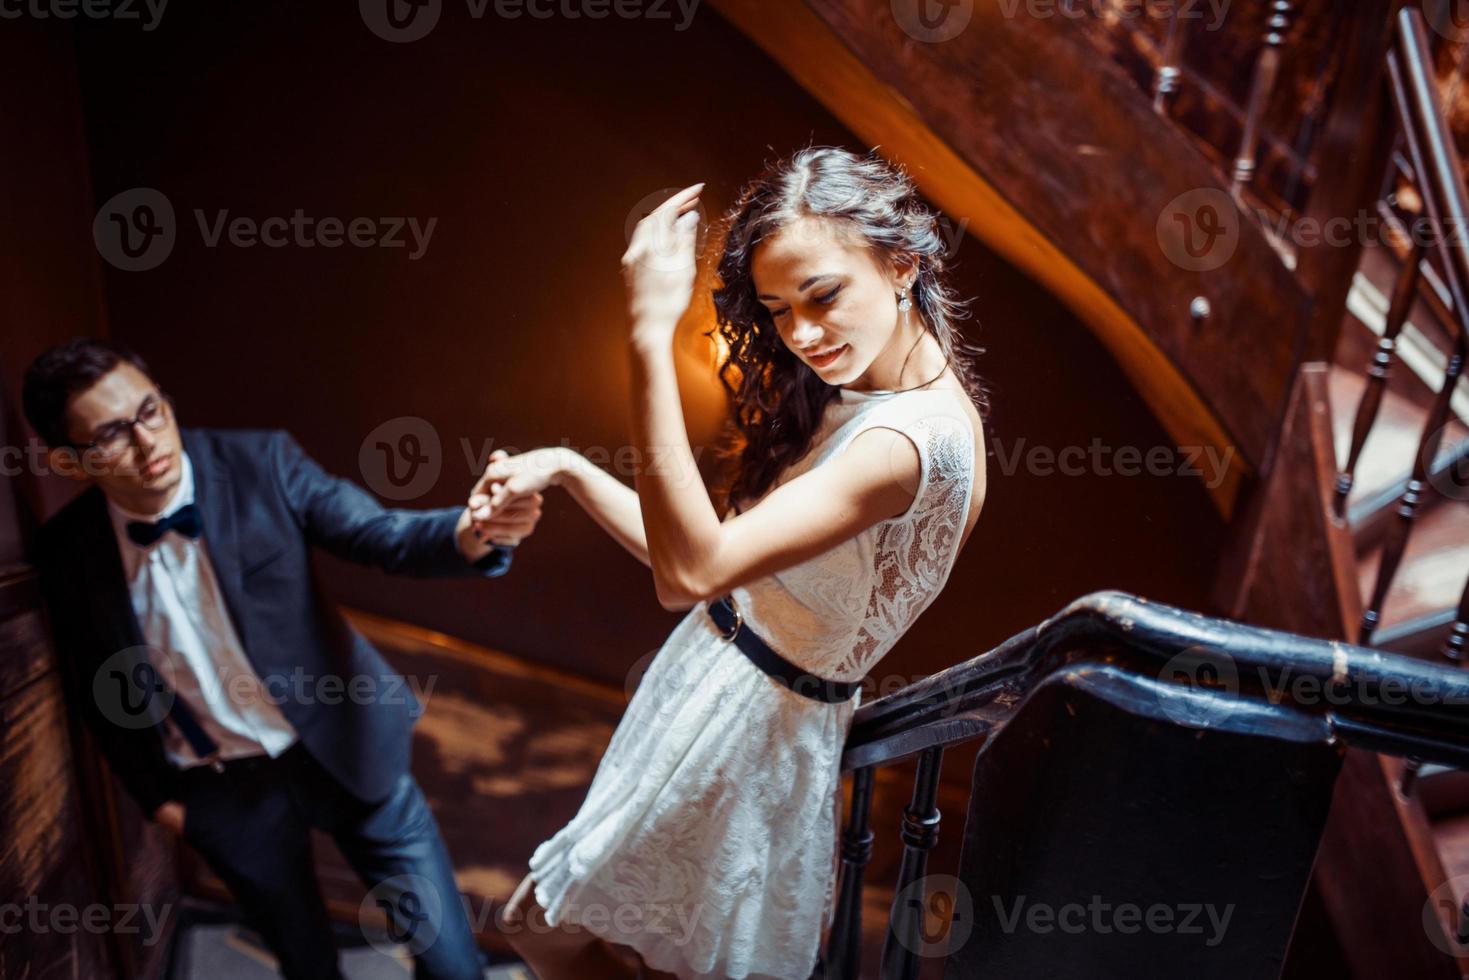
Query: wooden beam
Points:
[1248, 294]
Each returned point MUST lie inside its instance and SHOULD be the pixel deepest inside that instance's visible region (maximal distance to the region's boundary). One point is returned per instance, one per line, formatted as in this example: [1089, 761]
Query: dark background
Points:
[530, 141]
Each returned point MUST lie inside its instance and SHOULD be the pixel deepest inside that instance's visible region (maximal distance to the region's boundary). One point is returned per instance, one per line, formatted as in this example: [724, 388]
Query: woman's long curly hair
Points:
[778, 400]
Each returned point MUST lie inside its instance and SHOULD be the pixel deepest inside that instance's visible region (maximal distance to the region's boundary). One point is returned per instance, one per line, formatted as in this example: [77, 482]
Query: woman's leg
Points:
[560, 951]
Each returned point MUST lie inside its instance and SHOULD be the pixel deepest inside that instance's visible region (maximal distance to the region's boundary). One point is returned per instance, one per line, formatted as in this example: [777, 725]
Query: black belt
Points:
[732, 625]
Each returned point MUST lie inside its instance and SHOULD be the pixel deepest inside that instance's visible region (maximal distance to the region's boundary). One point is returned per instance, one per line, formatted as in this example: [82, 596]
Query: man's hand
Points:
[170, 816]
[505, 522]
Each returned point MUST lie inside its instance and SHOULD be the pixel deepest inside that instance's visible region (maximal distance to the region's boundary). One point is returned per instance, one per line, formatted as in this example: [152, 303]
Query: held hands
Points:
[659, 268]
[505, 504]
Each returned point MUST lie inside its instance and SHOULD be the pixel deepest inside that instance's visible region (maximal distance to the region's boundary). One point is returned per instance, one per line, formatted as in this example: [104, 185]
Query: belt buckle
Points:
[738, 621]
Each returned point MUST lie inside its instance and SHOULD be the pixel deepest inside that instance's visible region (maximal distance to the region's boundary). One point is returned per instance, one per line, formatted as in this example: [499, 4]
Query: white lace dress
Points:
[708, 840]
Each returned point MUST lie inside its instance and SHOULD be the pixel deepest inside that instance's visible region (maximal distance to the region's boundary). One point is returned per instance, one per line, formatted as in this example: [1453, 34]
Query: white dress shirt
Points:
[193, 643]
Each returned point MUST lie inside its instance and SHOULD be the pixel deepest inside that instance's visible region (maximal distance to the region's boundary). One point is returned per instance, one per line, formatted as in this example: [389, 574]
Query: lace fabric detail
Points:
[708, 840]
[839, 613]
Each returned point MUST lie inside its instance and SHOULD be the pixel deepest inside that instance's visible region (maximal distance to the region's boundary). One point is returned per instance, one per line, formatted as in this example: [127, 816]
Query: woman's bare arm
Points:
[608, 501]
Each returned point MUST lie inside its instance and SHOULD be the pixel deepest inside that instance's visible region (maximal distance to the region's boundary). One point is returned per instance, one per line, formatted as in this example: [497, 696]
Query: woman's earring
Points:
[905, 302]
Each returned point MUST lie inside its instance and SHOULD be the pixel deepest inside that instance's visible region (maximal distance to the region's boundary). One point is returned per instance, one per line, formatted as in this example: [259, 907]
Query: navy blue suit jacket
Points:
[263, 504]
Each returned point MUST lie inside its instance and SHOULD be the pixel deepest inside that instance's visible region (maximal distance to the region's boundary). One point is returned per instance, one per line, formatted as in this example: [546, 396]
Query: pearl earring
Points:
[905, 302]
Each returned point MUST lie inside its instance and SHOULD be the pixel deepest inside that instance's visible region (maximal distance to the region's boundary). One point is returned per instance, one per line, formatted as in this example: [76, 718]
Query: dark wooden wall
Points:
[530, 141]
[70, 844]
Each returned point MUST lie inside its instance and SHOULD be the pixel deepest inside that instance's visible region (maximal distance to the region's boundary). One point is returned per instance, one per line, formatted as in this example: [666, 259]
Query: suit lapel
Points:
[103, 573]
[214, 497]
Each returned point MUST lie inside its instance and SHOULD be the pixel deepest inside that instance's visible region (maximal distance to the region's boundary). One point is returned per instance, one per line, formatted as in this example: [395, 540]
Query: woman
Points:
[708, 839]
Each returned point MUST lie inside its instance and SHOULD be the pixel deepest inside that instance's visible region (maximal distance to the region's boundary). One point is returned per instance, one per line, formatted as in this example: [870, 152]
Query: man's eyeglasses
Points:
[114, 438]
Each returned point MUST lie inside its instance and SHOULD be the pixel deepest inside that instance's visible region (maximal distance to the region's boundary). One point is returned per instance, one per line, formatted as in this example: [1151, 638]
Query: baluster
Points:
[844, 945]
[1453, 644]
[1409, 778]
[1397, 544]
[920, 833]
[1377, 373]
[1165, 86]
[1267, 69]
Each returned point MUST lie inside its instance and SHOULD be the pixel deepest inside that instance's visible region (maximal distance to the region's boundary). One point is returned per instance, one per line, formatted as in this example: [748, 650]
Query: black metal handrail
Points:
[1373, 699]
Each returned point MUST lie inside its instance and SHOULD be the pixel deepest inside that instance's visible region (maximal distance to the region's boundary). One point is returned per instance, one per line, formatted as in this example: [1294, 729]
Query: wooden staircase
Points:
[1086, 148]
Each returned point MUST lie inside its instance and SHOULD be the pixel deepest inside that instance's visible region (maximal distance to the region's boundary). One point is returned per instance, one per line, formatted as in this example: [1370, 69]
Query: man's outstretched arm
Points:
[349, 522]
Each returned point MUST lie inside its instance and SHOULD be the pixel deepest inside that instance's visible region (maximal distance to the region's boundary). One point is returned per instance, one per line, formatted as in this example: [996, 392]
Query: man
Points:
[229, 696]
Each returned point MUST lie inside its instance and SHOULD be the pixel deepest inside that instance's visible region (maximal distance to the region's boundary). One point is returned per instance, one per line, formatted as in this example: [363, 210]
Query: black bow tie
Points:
[185, 520]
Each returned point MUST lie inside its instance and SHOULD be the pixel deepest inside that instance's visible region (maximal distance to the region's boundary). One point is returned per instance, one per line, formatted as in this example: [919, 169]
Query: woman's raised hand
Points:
[660, 265]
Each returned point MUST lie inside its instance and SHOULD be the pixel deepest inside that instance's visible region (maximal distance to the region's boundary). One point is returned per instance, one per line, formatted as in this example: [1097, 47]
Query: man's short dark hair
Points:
[62, 373]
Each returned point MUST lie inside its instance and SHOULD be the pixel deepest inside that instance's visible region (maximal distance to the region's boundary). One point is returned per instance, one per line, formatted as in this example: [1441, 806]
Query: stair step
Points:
[1430, 579]
[1388, 455]
[1443, 791]
[1452, 837]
